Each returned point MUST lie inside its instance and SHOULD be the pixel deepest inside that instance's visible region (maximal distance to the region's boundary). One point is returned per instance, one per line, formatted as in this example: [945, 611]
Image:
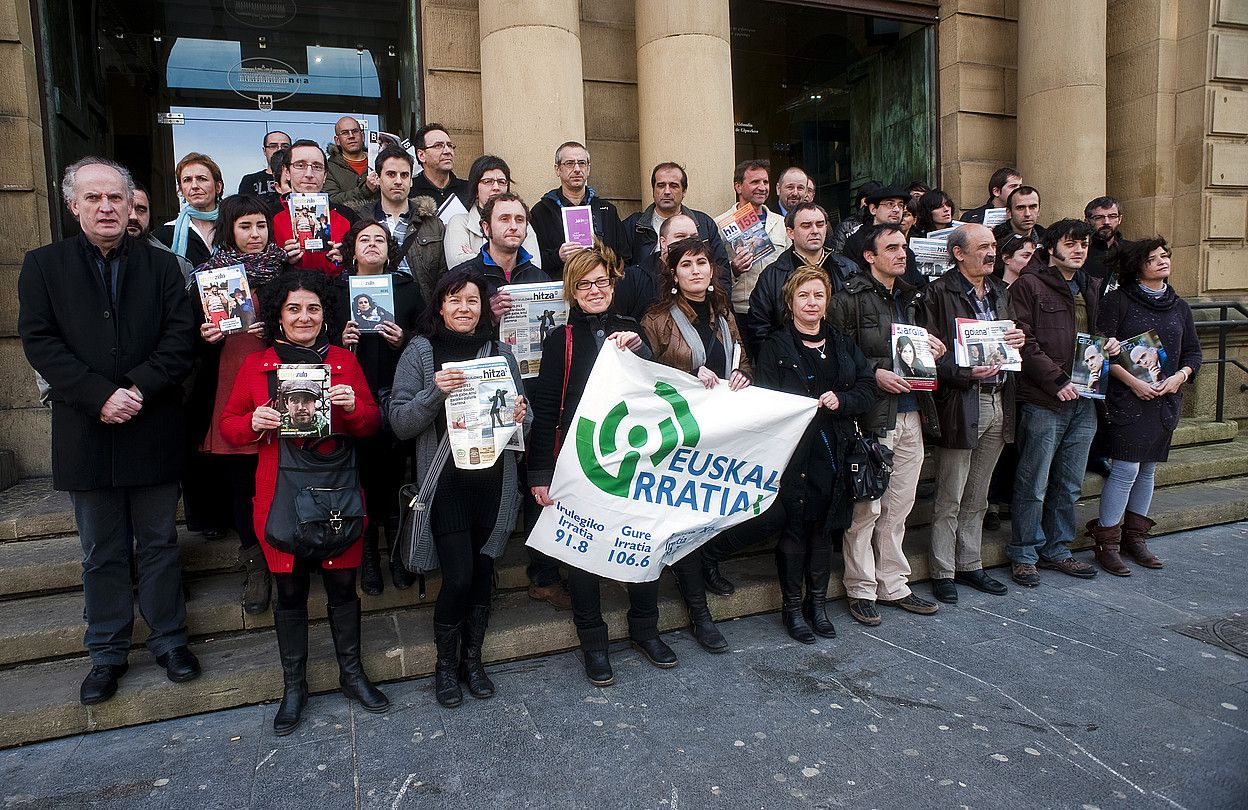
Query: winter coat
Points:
[1098, 249]
[546, 220]
[857, 243]
[343, 184]
[956, 397]
[1045, 310]
[525, 272]
[251, 390]
[86, 347]
[464, 239]
[421, 187]
[341, 218]
[637, 291]
[423, 240]
[642, 237]
[1141, 430]
[669, 346]
[377, 358]
[846, 228]
[767, 304]
[865, 312]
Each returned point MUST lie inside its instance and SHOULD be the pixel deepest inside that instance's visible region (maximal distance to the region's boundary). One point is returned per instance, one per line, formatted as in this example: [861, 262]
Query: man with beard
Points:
[301, 398]
[885, 206]
[1104, 216]
[139, 226]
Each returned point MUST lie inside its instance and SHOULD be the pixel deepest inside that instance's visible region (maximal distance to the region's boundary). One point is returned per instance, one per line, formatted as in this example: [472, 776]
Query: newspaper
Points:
[480, 414]
[743, 230]
[931, 256]
[1145, 357]
[372, 301]
[536, 311]
[994, 217]
[309, 220]
[578, 225]
[982, 343]
[912, 357]
[226, 298]
[303, 400]
[943, 233]
[1091, 372]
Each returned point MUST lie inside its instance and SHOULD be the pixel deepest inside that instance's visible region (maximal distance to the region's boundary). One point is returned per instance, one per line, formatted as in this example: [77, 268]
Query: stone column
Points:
[684, 97]
[1061, 102]
[532, 94]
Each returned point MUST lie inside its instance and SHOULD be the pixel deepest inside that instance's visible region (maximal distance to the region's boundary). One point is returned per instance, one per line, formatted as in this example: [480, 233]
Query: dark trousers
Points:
[467, 574]
[734, 539]
[382, 463]
[543, 570]
[643, 606]
[238, 473]
[107, 518]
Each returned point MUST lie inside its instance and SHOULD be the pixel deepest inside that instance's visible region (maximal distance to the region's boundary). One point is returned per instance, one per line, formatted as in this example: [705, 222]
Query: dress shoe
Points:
[180, 664]
[400, 576]
[101, 683]
[992, 521]
[554, 595]
[656, 652]
[598, 667]
[945, 591]
[864, 612]
[912, 604]
[980, 581]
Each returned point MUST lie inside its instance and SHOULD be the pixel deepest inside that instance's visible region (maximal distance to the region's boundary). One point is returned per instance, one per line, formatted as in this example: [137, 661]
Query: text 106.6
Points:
[627, 558]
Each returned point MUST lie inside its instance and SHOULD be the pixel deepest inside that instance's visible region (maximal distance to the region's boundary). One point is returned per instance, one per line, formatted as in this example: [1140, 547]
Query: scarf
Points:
[261, 267]
[698, 348]
[456, 347]
[182, 226]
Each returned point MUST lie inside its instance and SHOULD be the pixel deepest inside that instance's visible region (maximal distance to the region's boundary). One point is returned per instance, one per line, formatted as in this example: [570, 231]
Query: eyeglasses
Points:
[574, 164]
[585, 284]
[269, 146]
[491, 181]
[440, 145]
[304, 166]
[355, 131]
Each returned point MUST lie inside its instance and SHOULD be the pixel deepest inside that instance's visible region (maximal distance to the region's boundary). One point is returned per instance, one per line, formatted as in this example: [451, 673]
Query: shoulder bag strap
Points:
[563, 394]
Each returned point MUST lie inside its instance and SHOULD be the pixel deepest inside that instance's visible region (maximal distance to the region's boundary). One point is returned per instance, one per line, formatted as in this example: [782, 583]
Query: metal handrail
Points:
[1225, 326]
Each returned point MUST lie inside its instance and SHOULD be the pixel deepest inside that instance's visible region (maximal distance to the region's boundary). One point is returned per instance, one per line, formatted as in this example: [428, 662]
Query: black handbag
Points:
[415, 512]
[870, 465]
[318, 507]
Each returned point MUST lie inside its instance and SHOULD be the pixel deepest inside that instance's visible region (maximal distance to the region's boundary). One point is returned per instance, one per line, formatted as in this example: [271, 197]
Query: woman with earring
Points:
[691, 328]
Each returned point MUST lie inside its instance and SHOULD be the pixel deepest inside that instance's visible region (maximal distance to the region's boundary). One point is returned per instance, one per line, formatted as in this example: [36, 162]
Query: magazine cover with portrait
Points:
[226, 298]
[1090, 375]
[1144, 356]
[303, 400]
[309, 220]
[372, 301]
[912, 357]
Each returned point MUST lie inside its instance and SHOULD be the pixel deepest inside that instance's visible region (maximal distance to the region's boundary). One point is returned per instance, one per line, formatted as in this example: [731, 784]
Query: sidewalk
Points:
[1074, 694]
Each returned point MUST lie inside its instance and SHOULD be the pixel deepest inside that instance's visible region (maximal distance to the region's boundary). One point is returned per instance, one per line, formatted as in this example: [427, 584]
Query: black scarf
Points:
[450, 346]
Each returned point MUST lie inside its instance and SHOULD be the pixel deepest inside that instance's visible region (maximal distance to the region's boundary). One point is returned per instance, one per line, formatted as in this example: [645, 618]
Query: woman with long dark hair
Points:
[1142, 415]
[299, 306]
[472, 511]
[935, 212]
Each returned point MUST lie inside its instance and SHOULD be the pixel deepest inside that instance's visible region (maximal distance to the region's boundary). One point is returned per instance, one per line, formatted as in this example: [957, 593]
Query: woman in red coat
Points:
[299, 305]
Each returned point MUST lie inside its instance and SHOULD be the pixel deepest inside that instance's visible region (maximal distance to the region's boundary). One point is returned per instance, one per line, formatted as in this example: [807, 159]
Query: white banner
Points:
[654, 465]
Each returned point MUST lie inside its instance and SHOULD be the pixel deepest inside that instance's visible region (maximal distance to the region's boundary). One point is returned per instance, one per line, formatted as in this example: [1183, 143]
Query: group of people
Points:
[151, 400]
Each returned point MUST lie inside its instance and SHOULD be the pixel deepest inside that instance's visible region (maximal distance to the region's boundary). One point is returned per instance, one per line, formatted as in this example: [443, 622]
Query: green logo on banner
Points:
[594, 442]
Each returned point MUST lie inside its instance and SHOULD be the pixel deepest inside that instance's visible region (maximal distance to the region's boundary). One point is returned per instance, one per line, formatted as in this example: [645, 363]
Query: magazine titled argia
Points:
[912, 357]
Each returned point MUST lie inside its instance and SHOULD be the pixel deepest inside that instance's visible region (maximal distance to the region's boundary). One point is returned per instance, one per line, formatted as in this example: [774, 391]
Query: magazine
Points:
[451, 207]
[1145, 357]
[536, 311]
[1091, 372]
[226, 298]
[372, 301]
[931, 256]
[578, 225]
[480, 414]
[994, 217]
[309, 220]
[912, 357]
[373, 138]
[981, 343]
[743, 230]
[303, 400]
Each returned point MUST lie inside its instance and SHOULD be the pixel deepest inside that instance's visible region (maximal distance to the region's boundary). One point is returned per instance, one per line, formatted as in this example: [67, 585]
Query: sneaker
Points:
[1025, 574]
[1070, 566]
[554, 595]
[863, 611]
[913, 604]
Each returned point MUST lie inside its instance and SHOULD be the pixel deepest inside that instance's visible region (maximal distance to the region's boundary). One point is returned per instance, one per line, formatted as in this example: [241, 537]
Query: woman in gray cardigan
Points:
[472, 512]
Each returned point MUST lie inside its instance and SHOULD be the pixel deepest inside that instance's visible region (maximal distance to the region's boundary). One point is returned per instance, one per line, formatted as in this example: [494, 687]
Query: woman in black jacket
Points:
[810, 358]
[368, 249]
[589, 280]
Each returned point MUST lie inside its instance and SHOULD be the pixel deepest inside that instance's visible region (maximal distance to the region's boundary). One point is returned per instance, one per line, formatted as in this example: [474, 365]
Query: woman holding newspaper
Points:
[568, 356]
[472, 511]
[810, 358]
[1142, 415]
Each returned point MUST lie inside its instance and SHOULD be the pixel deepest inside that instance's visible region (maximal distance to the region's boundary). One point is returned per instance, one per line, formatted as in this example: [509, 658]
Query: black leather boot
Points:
[445, 681]
[399, 575]
[789, 567]
[818, 574]
[597, 661]
[701, 623]
[292, 647]
[344, 624]
[371, 581]
[258, 586]
[470, 669]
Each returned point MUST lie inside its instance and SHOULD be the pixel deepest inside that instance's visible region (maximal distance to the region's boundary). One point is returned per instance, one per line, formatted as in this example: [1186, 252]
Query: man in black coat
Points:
[572, 168]
[105, 319]
[669, 183]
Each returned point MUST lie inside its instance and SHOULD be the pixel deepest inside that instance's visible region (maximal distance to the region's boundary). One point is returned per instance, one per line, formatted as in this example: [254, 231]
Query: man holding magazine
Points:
[1052, 303]
[975, 407]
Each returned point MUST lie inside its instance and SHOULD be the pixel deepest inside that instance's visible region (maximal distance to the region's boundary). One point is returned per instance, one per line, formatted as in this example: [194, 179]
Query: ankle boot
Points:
[701, 623]
[1106, 539]
[258, 586]
[1135, 530]
[470, 669]
[714, 581]
[292, 647]
[445, 683]
[789, 567]
[818, 574]
[344, 625]
[597, 661]
[371, 581]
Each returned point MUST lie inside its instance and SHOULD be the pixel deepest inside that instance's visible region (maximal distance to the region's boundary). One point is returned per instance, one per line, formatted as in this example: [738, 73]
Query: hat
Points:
[288, 387]
[887, 193]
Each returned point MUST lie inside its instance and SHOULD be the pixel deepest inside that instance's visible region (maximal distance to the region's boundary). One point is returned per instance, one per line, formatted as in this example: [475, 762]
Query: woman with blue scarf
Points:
[193, 234]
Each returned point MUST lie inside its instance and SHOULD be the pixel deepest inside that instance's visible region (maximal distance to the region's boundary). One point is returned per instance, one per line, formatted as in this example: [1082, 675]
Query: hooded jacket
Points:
[342, 184]
[546, 220]
[426, 260]
[1044, 309]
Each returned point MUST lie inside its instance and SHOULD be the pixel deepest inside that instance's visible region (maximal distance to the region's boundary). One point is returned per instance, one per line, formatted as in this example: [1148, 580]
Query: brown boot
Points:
[1134, 536]
[1106, 539]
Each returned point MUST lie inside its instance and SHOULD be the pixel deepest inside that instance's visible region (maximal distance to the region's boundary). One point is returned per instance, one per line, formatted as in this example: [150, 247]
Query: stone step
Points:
[243, 668]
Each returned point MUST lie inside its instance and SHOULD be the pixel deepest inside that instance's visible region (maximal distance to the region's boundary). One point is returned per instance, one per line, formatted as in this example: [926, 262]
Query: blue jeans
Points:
[1052, 457]
[1129, 488]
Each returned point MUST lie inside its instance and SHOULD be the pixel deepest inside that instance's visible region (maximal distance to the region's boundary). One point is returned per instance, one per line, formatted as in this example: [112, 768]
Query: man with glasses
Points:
[436, 154]
[263, 182]
[885, 206]
[572, 169]
[349, 180]
[1104, 216]
[304, 165]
